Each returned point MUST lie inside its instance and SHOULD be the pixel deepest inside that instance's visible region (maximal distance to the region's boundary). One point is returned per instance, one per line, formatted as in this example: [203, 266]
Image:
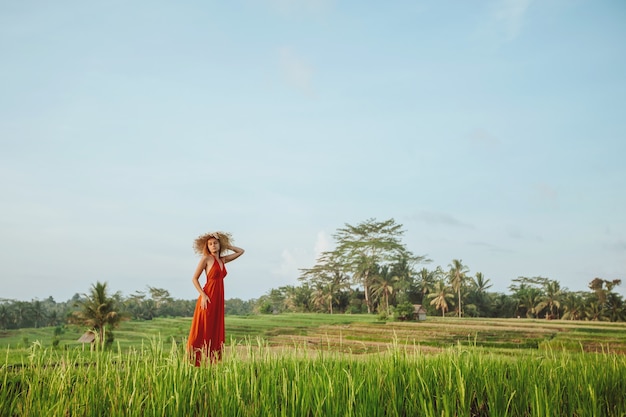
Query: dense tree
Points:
[457, 275]
[23, 314]
[276, 297]
[603, 287]
[369, 244]
[502, 305]
[162, 300]
[328, 280]
[594, 311]
[574, 306]
[369, 269]
[440, 296]
[426, 281]
[528, 292]
[135, 306]
[551, 298]
[604, 304]
[383, 286]
[322, 298]
[99, 312]
[615, 310]
[37, 313]
[529, 299]
[238, 307]
[297, 298]
[403, 269]
[477, 295]
[5, 317]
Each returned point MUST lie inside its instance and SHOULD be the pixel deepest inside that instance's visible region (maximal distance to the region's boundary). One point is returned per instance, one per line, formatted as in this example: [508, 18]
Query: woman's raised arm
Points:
[231, 257]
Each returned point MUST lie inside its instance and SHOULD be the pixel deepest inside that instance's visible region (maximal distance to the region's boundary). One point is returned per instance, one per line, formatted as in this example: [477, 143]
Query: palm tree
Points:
[37, 312]
[402, 268]
[148, 309]
[363, 268]
[426, 281]
[440, 296]
[328, 277]
[595, 311]
[481, 284]
[552, 298]
[97, 311]
[53, 318]
[289, 291]
[616, 311]
[530, 298]
[574, 306]
[478, 294]
[503, 305]
[322, 297]
[383, 285]
[5, 317]
[366, 245]
[457, 277]
[298, 298]
[23, 314]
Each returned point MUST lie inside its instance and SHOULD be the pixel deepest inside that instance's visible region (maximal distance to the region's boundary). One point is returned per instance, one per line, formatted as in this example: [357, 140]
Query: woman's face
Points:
[213, 245]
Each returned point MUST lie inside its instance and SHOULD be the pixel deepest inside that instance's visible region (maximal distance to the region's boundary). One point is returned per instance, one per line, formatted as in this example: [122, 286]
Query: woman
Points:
[207, 335]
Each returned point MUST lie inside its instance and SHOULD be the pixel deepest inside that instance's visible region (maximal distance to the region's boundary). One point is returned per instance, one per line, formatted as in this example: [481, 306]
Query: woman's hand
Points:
[205, 301]
[237, 253]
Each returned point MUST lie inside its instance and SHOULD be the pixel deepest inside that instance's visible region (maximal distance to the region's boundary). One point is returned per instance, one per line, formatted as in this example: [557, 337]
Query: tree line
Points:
[99, 311]
[370, 271]
[142, 305]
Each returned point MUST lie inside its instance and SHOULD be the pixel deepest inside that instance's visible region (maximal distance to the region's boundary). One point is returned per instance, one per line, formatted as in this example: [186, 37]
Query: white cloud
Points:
[289, 264]
[291, 261]
[322, 244]
[294, 259]
[296, 71]
[509, 15]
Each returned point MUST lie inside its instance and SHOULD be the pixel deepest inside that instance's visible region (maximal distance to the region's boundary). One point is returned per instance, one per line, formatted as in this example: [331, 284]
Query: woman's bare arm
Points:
[231, 257]
[202, 265]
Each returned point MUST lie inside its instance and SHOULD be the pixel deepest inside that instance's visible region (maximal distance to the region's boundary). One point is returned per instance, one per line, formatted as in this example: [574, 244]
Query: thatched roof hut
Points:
[419, 312]
[88, 337]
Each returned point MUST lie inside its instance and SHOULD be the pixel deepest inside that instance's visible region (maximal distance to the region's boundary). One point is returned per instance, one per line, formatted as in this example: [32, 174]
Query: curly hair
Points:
[200, 247]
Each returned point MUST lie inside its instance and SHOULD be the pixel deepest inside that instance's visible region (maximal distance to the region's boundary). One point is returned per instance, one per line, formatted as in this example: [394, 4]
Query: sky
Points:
[493, 131]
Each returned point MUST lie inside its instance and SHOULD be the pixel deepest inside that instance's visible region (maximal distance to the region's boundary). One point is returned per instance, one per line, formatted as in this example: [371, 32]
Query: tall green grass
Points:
[254, 379]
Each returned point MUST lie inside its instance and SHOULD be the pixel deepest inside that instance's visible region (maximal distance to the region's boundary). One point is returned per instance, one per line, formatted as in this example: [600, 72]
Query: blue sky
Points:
[493, 131]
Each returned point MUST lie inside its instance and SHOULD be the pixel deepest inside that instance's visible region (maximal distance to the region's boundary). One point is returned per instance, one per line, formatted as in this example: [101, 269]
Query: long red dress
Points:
[207, 335]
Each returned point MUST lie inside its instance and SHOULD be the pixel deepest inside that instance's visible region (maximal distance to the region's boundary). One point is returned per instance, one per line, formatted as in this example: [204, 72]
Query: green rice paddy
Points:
[323, 365]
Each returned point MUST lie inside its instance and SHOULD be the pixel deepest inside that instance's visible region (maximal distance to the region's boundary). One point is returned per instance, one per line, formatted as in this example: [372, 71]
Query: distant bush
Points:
[404, 311]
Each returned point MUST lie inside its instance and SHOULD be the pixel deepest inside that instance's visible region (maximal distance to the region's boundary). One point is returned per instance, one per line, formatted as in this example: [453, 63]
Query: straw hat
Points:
[199, 245]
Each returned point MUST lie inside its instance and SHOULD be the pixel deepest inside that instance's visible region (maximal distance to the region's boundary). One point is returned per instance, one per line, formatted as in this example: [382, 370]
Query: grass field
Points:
[355, 333]
[323, 365]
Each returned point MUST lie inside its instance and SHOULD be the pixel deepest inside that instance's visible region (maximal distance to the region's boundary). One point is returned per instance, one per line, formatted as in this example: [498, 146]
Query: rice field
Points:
[314, 365]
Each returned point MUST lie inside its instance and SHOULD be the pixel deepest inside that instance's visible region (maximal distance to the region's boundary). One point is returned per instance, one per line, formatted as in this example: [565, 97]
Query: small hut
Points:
[88, 337]
[419, 312]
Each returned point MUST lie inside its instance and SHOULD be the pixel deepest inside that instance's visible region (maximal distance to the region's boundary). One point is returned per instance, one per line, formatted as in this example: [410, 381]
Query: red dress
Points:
[207, 335]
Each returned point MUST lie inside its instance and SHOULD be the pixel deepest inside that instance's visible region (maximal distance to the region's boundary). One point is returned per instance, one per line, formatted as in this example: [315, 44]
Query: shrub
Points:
[403, 311]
